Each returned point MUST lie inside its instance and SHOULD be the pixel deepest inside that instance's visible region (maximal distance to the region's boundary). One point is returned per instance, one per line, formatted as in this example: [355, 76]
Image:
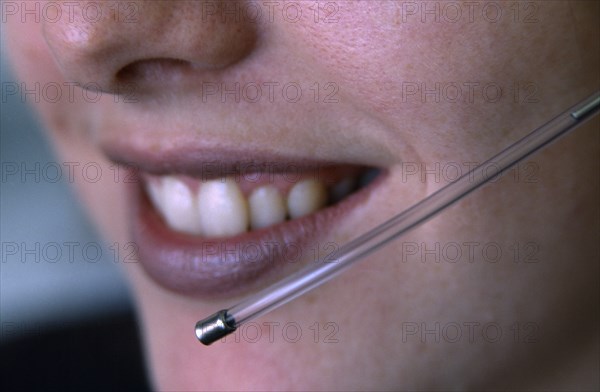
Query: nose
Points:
[151, 43]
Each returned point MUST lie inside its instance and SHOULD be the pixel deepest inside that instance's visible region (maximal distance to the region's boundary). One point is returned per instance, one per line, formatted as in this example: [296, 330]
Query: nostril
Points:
[149, 72]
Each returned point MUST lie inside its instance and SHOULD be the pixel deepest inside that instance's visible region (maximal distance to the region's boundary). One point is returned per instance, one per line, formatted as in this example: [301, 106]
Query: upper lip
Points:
[206, 162]
[181, 263]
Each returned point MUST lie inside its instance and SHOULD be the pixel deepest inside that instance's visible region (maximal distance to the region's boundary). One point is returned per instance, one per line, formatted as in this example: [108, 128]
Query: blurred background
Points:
[57, 308]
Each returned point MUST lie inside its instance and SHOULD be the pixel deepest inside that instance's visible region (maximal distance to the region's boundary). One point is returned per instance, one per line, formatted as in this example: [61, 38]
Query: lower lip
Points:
[227, 267]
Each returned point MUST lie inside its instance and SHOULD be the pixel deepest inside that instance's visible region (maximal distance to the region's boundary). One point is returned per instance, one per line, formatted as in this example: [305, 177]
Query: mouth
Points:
[221, 228]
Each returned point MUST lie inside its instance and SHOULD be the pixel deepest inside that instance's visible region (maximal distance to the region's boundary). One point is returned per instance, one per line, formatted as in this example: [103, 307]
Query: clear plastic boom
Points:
[226, 321]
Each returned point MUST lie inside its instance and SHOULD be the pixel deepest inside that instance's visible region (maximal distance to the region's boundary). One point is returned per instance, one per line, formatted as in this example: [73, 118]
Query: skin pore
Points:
[380, 57]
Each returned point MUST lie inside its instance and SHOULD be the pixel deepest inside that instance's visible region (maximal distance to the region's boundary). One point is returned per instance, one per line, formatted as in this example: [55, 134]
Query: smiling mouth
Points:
[218, 230]
[227, 206]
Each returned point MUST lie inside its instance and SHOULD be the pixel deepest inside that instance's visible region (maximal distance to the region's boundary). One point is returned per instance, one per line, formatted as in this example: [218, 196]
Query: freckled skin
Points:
[375, 55]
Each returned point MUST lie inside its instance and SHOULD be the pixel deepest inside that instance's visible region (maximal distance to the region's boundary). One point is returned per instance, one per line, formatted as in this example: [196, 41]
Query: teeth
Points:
[266, 207]
[217, 208]
[306, 197]
[222, 208]
[155, 191]
[177, 205]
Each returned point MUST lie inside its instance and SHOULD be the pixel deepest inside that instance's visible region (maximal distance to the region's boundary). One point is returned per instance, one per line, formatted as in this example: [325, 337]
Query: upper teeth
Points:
[222, 209]
[217, 208]
[306, 197]
[267, 207]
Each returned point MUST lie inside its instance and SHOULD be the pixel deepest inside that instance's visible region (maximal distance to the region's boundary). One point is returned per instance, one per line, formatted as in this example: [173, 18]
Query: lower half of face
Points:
[229, 168]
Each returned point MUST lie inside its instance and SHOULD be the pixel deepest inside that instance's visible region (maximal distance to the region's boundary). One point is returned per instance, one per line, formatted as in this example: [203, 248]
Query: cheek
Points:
[63, 108]
[374, 59]
[447, 88]
[65, 111]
